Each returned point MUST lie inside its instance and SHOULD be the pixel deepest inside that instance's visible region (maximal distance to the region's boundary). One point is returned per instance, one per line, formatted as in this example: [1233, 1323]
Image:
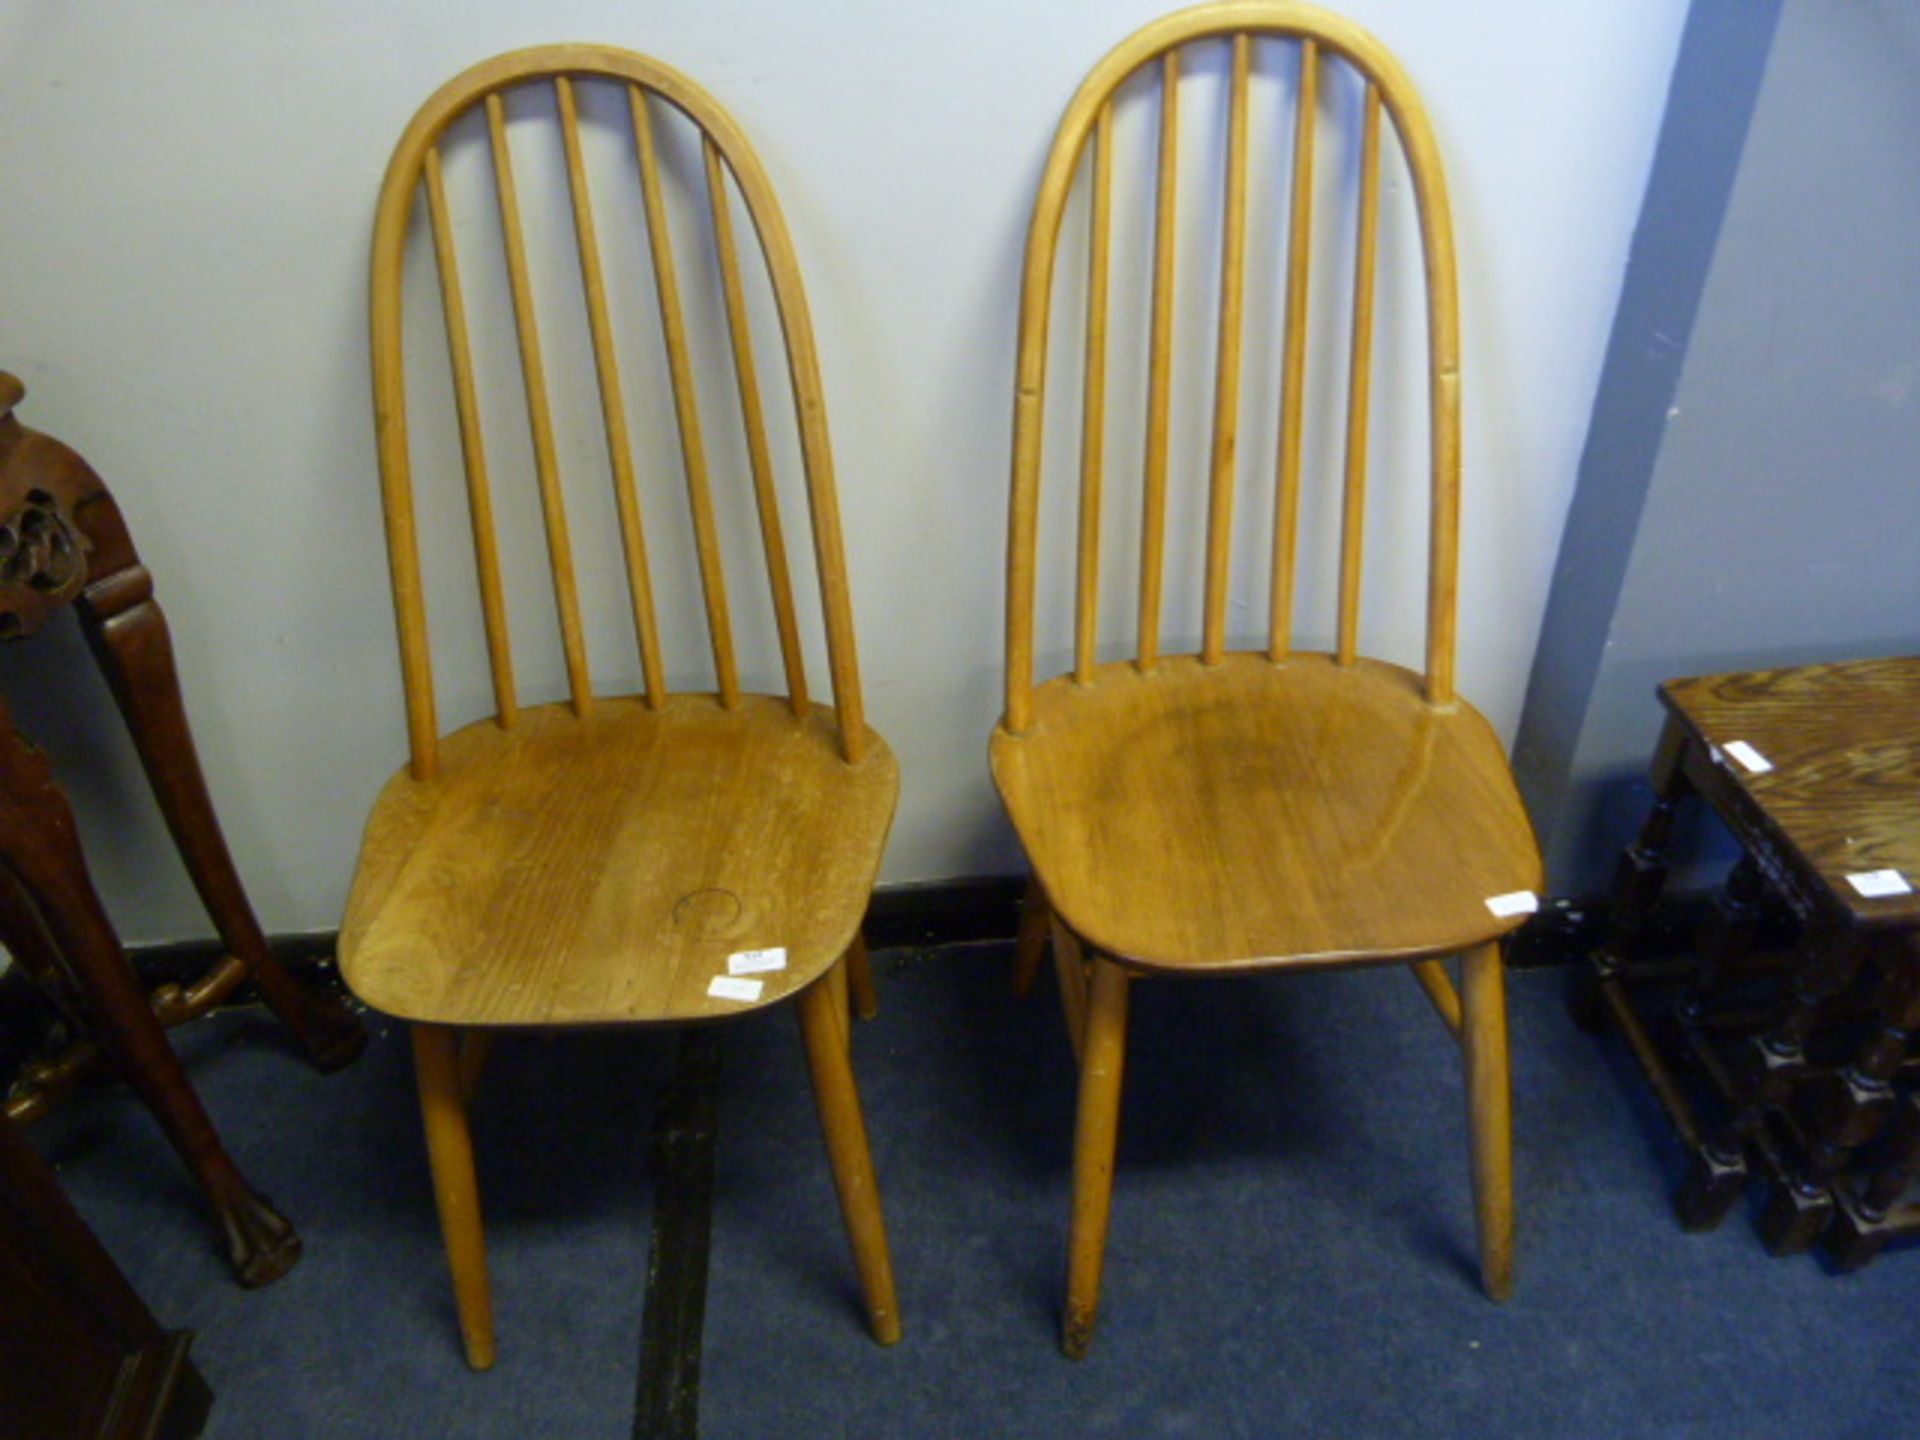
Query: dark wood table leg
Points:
[40, 846]
[84, 1357]
[128, 632]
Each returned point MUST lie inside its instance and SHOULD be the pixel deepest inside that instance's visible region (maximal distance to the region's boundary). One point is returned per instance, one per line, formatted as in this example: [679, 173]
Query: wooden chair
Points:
[1234, 812]
[596, 862]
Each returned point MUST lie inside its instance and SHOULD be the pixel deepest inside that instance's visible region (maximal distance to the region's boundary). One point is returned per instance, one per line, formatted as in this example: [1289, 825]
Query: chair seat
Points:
[599, 871]
[1249, 815]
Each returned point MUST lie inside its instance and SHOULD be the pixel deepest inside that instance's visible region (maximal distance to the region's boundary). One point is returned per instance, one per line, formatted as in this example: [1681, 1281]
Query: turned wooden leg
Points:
[40, 845]
[1490, 1114]
[836, 981]
[456, 1190]
[128, 634]
[1030, 946]
[1096, 1137]
[823, 1026]
[866, 999]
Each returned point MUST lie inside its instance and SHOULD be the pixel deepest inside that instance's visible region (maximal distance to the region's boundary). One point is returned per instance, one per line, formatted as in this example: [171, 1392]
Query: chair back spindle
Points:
[1386, 97]
[727, 165]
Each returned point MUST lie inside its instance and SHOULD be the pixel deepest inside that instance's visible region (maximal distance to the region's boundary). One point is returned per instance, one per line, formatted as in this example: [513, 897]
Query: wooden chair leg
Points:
[1031, 945]
[866, 999]
[1433, 978]
[837, 981]
[823, 1026]
[1095, 1138]
[456, 1191]
[1070, 967]
[1490, 1114]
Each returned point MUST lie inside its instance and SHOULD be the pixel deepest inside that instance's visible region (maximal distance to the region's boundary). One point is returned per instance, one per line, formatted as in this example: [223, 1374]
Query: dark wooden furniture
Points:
[1789, 1063]
[81, 1357]
[63, 541]
[1240, 811]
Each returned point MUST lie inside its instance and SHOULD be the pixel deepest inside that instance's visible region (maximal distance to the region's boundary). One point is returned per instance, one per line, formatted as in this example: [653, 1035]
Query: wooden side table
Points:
[63, 542]
[1816, 770]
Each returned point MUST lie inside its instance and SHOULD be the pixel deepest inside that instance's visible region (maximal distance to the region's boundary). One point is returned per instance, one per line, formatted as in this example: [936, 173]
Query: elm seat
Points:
[1213, 819]
[599, 871]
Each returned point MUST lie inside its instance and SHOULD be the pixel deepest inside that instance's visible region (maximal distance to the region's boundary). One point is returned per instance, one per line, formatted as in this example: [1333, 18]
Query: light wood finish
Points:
[1293, 378]
[1353, 504]
[486, 538]
[456, 1192]
[1153, 524]
[1160, 42]
[742, 166]
[533, 374]
[1030, 944]
[1096, 1137]
[753, 418]
[1490, 1110]
[686, 405]
[1093, 422]
[1224, 468]
[599, 870]
[823, 1026]
[594, 863]
[1235, 812]
[1252, 815]
[1070, 968]
[613, 405]
[1433, 978]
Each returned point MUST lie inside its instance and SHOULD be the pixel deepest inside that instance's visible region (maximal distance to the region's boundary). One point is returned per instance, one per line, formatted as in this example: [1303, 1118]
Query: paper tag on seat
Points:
[1751, 760]
[757, 962]
[1875, 883]
[1519, 902]
[732, 987]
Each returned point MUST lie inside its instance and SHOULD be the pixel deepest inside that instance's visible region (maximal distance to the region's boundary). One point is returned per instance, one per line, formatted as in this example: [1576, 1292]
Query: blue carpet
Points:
[1292, 1245]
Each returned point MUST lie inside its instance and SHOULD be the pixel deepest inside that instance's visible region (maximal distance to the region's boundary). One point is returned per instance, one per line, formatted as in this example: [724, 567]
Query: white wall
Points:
[188, 194]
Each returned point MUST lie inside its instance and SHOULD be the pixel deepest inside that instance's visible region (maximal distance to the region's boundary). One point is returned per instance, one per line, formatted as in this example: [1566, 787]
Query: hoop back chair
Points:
[1233, 812]
[596, 861]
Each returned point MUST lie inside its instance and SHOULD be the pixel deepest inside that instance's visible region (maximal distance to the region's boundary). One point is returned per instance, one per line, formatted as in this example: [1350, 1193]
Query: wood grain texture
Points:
[1251, 815]
[599, 870]
[1844, 743]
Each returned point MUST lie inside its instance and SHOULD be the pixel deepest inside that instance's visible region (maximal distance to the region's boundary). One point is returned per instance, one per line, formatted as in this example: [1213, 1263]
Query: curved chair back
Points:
[729, 165]
[1085, 143]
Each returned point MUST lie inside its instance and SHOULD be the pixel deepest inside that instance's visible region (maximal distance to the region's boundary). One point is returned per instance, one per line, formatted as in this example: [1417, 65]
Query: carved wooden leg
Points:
[40, 845]
[866, 999]
[128, 634]
[1490, 1112]
[1031, 945]
[1096, 1137]
[823, 1027]
[456, 1190]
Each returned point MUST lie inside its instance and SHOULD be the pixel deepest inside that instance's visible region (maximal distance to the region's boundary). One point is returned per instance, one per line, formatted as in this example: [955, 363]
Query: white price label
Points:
[1520, 902]
[757, 962]
[732, 987]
